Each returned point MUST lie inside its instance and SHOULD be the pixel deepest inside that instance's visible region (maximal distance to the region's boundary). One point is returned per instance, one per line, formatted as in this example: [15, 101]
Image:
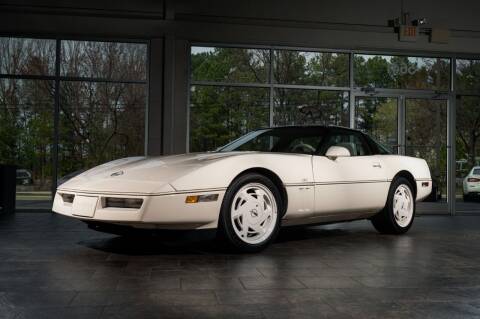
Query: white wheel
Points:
[399, 211]
[403, 205]
[253, 213]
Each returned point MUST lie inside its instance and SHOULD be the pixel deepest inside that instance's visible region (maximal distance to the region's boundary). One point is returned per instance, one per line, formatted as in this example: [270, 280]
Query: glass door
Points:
[426, 137]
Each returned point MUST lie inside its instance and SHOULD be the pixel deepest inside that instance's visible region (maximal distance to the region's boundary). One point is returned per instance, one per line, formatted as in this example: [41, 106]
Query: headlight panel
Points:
[68, 198]
[119, 202]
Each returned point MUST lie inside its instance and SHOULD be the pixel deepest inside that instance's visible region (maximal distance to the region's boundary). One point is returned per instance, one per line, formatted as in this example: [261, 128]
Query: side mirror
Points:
[337, 151]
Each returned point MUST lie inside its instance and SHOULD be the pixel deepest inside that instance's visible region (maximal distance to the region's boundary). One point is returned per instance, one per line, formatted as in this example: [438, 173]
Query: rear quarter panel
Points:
[418, 167]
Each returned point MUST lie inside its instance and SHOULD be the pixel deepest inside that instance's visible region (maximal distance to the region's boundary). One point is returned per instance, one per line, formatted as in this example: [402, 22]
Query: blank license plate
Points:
[84, 205]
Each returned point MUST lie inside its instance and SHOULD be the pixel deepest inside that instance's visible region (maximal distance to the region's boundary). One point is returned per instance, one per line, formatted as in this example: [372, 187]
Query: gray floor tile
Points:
[51, 267]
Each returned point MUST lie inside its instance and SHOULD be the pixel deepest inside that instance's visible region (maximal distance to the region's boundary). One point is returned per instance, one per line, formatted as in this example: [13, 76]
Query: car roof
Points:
[312, 126]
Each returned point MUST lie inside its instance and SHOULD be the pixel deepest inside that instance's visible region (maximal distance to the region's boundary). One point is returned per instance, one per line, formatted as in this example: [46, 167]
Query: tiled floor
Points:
[53, 267]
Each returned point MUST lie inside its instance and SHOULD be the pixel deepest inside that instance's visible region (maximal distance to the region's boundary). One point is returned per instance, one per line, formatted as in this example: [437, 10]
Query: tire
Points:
[243, 225]
[395, 220]
[466, 198]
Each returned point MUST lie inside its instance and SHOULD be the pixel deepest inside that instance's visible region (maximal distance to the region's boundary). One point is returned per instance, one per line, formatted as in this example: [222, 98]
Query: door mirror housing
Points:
[337, 151]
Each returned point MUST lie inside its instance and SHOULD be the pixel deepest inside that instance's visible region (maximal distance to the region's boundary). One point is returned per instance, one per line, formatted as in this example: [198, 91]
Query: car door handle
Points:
[377, 165]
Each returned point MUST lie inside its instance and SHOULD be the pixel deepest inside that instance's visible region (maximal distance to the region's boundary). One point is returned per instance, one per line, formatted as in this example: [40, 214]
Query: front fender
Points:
[290, 168]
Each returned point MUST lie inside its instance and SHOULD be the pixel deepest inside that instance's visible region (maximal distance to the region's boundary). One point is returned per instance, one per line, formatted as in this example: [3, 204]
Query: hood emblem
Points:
[117, 173]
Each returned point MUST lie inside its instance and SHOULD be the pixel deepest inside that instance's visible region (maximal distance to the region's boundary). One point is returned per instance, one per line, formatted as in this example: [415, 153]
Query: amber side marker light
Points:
[425, 184]
[192, 199]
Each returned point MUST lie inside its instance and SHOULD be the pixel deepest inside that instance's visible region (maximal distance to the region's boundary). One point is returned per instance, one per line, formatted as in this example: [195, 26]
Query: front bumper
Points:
[157, 211]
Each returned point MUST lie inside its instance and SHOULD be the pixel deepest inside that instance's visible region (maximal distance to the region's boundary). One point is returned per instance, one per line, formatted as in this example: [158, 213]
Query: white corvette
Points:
[251, 186]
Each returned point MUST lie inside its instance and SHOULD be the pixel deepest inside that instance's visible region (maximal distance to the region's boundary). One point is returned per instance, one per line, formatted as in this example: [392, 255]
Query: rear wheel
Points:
[398, 214]
[250, 214]
[466, 197]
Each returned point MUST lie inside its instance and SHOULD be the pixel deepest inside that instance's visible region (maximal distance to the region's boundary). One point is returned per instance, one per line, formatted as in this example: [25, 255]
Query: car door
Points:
[356, 183]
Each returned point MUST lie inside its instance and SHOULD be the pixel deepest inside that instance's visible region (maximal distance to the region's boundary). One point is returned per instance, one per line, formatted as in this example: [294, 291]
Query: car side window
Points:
[304, 145]
[352, 141]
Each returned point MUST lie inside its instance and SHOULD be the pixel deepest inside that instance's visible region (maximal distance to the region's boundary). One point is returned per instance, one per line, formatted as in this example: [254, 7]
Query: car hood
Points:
[145, 175]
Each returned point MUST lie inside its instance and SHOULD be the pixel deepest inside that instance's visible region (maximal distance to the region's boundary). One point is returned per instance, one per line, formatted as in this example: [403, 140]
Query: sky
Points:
[197, 50]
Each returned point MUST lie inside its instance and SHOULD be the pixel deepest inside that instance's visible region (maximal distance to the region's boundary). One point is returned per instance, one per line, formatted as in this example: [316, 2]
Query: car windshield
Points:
[305, 140]
[476, 171]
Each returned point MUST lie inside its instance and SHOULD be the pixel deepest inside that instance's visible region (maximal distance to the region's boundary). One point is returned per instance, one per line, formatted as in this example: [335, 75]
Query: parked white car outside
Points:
[471, 184]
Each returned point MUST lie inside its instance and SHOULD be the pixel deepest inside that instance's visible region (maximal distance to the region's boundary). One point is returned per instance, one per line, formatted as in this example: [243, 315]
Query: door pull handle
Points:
[377, 165]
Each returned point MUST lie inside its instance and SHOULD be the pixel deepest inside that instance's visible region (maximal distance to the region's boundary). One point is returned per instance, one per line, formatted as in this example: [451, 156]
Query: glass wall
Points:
[26, 137]
[101, 109]
[310, 68]
[402, 101]
[102, 106]
[305, 87]
[378, 116]
[219, 114]
[26, 116]
[231, 65]
[468, 136]
[426, 137]
[236, 90]
[301, 107]
[401, 72]
[21, 56]
[112, 61]
[99, 122]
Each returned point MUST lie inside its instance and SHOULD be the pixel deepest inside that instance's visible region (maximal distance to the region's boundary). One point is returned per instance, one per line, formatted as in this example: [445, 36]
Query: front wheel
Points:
[398, 214]
[250, 214]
